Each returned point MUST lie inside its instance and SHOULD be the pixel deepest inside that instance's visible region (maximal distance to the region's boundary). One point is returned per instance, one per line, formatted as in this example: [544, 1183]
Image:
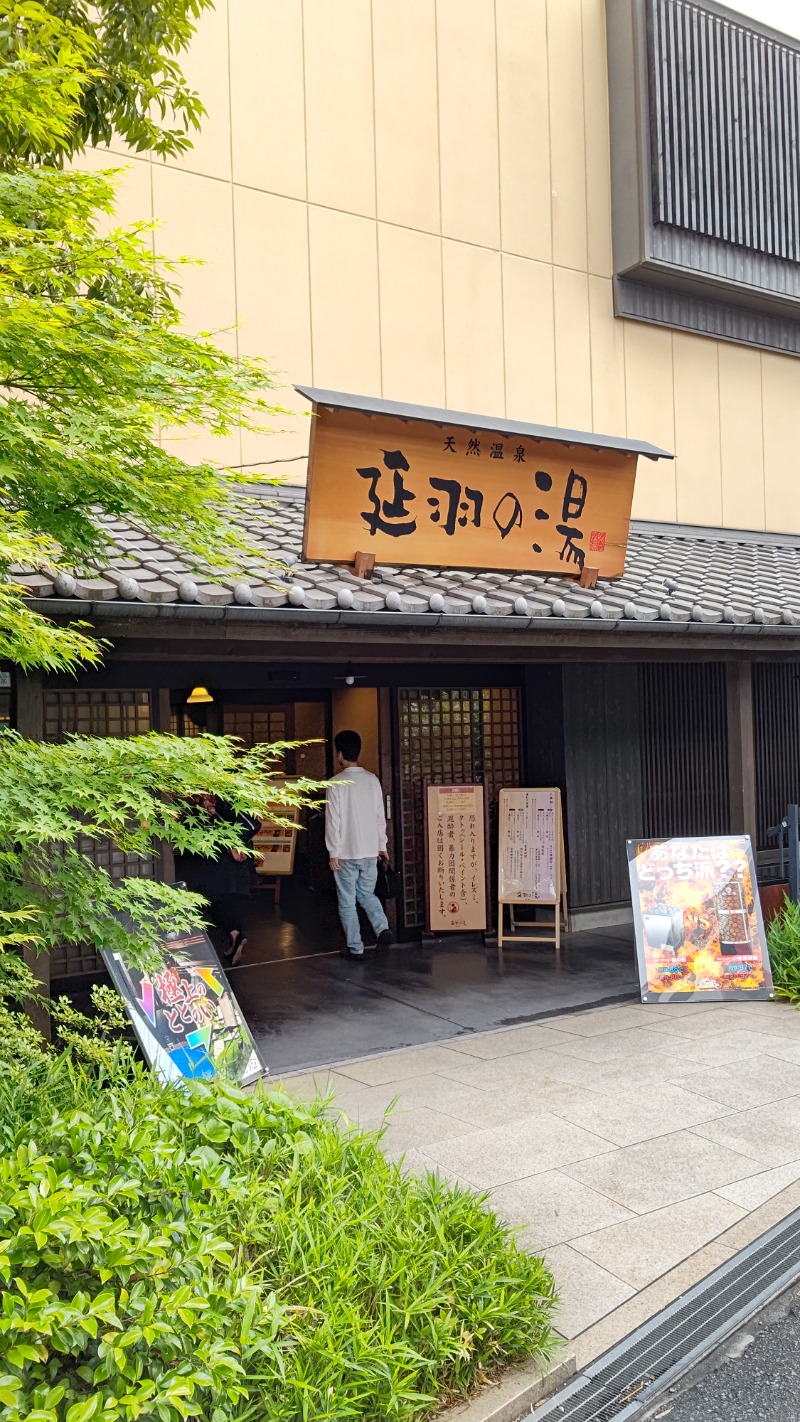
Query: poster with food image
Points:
[697, 918]
[188, 1023]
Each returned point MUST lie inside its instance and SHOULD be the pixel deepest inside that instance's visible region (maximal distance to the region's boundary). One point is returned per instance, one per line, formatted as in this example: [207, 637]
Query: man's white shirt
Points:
[355, 818]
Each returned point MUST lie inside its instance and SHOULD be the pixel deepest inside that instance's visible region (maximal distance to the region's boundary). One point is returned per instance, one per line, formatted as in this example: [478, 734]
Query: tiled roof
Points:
[674, 575]
[339, 400]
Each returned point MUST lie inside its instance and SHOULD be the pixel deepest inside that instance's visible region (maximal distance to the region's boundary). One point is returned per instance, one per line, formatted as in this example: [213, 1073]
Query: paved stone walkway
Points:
[621, 1139]
[626, 1142]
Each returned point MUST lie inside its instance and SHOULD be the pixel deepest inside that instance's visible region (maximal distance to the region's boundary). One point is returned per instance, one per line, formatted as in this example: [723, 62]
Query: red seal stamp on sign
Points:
[597, 542]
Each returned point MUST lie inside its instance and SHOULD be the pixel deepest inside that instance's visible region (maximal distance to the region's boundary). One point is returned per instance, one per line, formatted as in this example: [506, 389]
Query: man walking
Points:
[355, 835]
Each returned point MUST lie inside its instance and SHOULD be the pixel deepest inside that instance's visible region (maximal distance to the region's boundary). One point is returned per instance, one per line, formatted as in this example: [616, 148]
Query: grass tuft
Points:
[783, 942]
[214, 1253]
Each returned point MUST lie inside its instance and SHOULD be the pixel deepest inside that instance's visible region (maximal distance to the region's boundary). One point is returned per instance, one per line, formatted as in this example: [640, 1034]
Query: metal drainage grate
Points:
[623, 1382]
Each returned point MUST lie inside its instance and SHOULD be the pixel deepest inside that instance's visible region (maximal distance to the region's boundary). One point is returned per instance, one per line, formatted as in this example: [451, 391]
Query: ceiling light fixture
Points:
[199, 696]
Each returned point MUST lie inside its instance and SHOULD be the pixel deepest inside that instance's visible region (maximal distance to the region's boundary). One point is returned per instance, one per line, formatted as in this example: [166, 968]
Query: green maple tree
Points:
[93, 361]
[93, 365]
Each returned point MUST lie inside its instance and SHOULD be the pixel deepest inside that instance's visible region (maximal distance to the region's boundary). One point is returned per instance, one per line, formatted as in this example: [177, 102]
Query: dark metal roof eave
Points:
[341, 400]
[332, 617]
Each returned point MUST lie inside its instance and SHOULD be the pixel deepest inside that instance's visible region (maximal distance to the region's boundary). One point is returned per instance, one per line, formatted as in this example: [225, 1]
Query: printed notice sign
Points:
[456, 858]
[274, 843]
[697, 915]
[531, 867]
[184, 1014]
[528, 848]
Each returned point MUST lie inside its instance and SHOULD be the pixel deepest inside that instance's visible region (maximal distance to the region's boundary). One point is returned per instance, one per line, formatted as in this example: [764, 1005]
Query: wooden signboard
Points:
[697, 916]
[456, 858]
[274, 844]
[412, 492]
[531, 864]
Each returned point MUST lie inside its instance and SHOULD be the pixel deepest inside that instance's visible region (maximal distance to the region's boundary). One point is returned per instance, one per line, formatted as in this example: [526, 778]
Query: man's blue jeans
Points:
[355, 884]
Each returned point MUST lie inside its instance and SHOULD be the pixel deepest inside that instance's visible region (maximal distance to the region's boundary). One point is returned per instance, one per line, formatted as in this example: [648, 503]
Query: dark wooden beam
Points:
[475, 642]
[162, 721]
[29, 722]
[388, 784]
[29, 705]
[741, 749]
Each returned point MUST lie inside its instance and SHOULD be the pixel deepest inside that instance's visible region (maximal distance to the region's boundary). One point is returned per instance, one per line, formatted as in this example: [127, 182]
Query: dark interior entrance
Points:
[307, 1006]
[638, 749]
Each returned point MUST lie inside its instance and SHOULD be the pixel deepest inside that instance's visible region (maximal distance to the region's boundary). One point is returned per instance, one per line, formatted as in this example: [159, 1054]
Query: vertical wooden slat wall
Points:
[646, 753]
[604, 783]
[776, 717]
[684, 749]
[724, 106]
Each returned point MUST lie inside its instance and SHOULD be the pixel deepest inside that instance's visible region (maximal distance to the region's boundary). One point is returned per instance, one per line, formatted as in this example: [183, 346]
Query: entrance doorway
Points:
[292, 914]
[304, 1003]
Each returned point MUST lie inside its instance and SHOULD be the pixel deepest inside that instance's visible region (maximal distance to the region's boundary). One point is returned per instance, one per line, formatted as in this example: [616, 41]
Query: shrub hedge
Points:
[175, 1253]
[783, 941]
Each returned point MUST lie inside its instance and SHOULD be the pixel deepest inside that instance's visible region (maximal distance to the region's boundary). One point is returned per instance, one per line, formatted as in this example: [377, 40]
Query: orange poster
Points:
[456, 859]
[697, 918]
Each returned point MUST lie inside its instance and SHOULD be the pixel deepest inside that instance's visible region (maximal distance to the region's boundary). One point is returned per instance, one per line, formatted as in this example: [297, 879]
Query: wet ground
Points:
[307, 1006]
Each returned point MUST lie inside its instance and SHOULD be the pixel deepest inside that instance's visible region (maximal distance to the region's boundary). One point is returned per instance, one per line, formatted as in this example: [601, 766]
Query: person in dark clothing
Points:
[224, 881]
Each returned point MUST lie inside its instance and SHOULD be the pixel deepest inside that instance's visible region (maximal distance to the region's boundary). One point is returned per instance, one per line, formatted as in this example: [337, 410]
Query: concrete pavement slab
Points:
[499, 1072]
[552, 1208]
[754, 1223]
[757, 1081]
[616, 1046]
[586, 1291]
[605, 1019]
[311, 1084]
[624, 1120]
[400, 1066]
[726, 1048]
[621, 1078]
[656, 1173]
[500, 1155]
[755, 1190]
[643, 1305]
[774, 1044]
[417, 1127]
[637, 1147]
[641, 1249]
[770, 1017]
[770, 1134]
[453, 1098]
[507, 1042]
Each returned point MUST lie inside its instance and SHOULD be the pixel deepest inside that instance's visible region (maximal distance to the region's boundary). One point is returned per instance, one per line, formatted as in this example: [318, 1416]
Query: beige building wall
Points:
[411, 199]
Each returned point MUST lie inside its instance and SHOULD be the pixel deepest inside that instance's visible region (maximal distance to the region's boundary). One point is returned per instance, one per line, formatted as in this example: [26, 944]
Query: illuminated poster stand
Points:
[697, 915]
[187, 1020]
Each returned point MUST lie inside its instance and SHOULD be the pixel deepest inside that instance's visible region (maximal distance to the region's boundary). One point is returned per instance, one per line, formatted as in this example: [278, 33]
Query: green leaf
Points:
[82, 1411]
[22, 1353]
